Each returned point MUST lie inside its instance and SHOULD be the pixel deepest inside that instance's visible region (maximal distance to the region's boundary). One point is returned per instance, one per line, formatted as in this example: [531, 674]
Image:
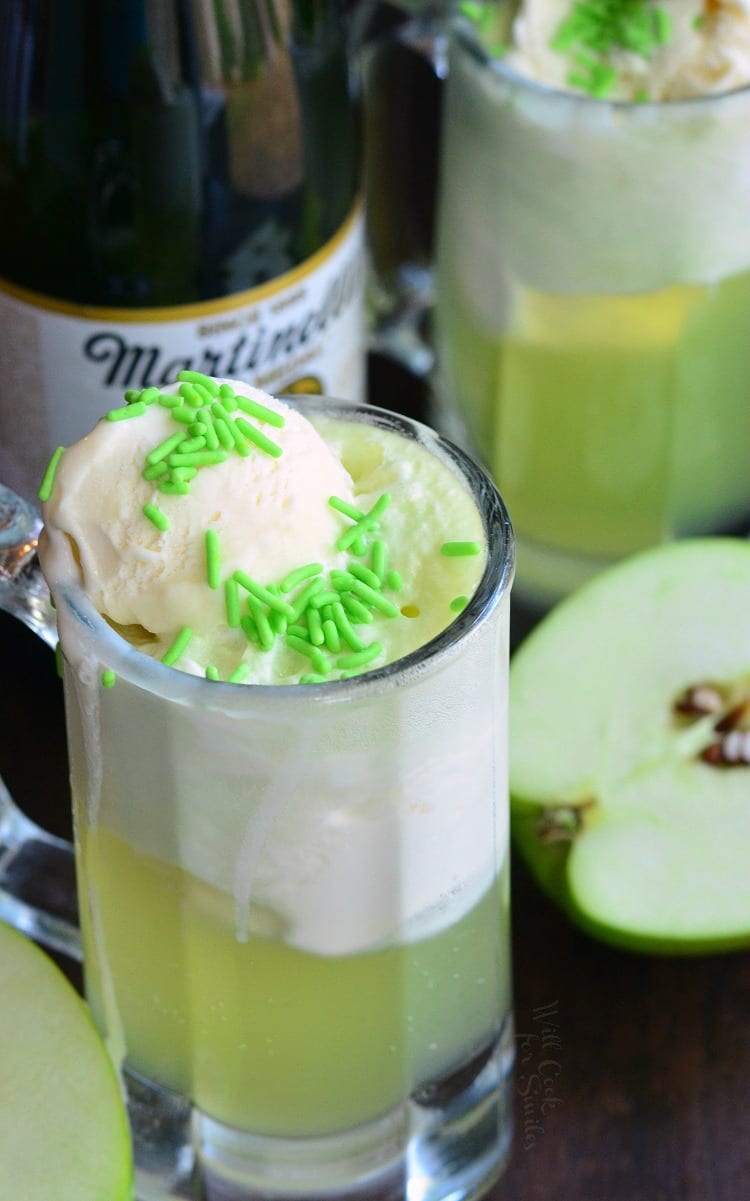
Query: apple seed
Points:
[562, 823]
[699, 700]
[732, 746]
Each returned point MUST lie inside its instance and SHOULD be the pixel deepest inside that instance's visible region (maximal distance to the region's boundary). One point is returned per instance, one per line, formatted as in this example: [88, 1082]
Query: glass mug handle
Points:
[37, 870]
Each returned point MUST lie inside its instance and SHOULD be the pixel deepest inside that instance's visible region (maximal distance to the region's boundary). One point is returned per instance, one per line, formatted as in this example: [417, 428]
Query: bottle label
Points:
[65, 365]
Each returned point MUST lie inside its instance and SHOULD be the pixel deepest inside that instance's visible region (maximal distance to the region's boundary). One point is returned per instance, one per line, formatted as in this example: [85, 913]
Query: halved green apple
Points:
[63, 1126]
[630, 750]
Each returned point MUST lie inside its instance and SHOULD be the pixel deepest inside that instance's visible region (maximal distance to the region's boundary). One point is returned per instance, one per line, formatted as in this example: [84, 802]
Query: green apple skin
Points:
[651, 851]
[64, 1132]
[548, 865]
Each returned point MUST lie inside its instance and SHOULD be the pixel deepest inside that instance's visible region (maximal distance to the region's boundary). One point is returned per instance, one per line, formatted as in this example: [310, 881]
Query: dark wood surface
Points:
[642, 1091]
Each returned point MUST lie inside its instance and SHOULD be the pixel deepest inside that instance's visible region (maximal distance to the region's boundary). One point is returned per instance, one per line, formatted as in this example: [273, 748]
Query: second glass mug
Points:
[593, 291]
[361, 1043]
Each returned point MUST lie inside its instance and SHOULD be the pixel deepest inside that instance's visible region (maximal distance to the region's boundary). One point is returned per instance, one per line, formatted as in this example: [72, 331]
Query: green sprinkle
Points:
[48, 479]
[378, 558]
[662, 26]
[192, 396]
[137, 409]
[359, 658]
[212, 438]
[212, 673]
[147, 396]
[58, 660]
[316, 657]
[312, 677]
[353, 533]
[240, 442]
[183, 475]
[366, 523]
[165, 448]
[232, 603]
[299, 574]
[228, 398]
[356, 610]
[249, 629]
[109, 679]
[343, 506]
[359, 546]
[342, 580]
[190, 445]
[375, 599]
[178, 647]
[204, 394]
[345, 629]
[197, 430]
[240, 673]
[223, 433]
[594, 29]
[394, 580]
[480, 15]
[197, 377]
[458, 603]
[260, 617]
[321, 599]
[278, 622]
[155, 471]
[170, 401]
[263, 594]
[455, 550]
[315, 626]
[261, 412]
[365, 575]
[303, 598]
[197, 458]
[213, 559]
[267, 445]
[299, 632]
[156, 517]
[185, 416]
[132, 394]
[173, 487]
[331, 636]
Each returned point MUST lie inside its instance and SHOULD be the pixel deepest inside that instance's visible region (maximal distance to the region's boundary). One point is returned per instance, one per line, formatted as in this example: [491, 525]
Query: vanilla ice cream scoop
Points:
[664, 50]
[268, 519]
[224, 533]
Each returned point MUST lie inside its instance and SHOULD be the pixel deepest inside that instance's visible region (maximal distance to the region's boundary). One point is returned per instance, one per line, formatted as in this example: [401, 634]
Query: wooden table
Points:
[633, 1074]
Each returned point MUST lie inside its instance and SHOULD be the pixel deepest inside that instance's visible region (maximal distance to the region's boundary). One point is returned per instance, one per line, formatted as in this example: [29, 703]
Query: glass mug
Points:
[293, 899]
[592, 314]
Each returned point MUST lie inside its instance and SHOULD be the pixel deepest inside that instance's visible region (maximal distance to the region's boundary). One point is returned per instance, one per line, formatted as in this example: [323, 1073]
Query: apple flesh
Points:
[63, 1126]
[630, 750]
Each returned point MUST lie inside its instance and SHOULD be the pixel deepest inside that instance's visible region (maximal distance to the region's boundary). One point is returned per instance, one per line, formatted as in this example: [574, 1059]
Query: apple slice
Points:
[63, 1126]
[630, 749]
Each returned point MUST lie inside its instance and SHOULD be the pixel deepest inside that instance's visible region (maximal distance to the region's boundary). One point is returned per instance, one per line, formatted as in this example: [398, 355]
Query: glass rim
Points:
[463, 31]
[171, 684]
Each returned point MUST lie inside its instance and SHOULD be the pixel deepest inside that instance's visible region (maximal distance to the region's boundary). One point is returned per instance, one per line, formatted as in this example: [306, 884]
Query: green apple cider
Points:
[609, 422]
[261, 1035]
